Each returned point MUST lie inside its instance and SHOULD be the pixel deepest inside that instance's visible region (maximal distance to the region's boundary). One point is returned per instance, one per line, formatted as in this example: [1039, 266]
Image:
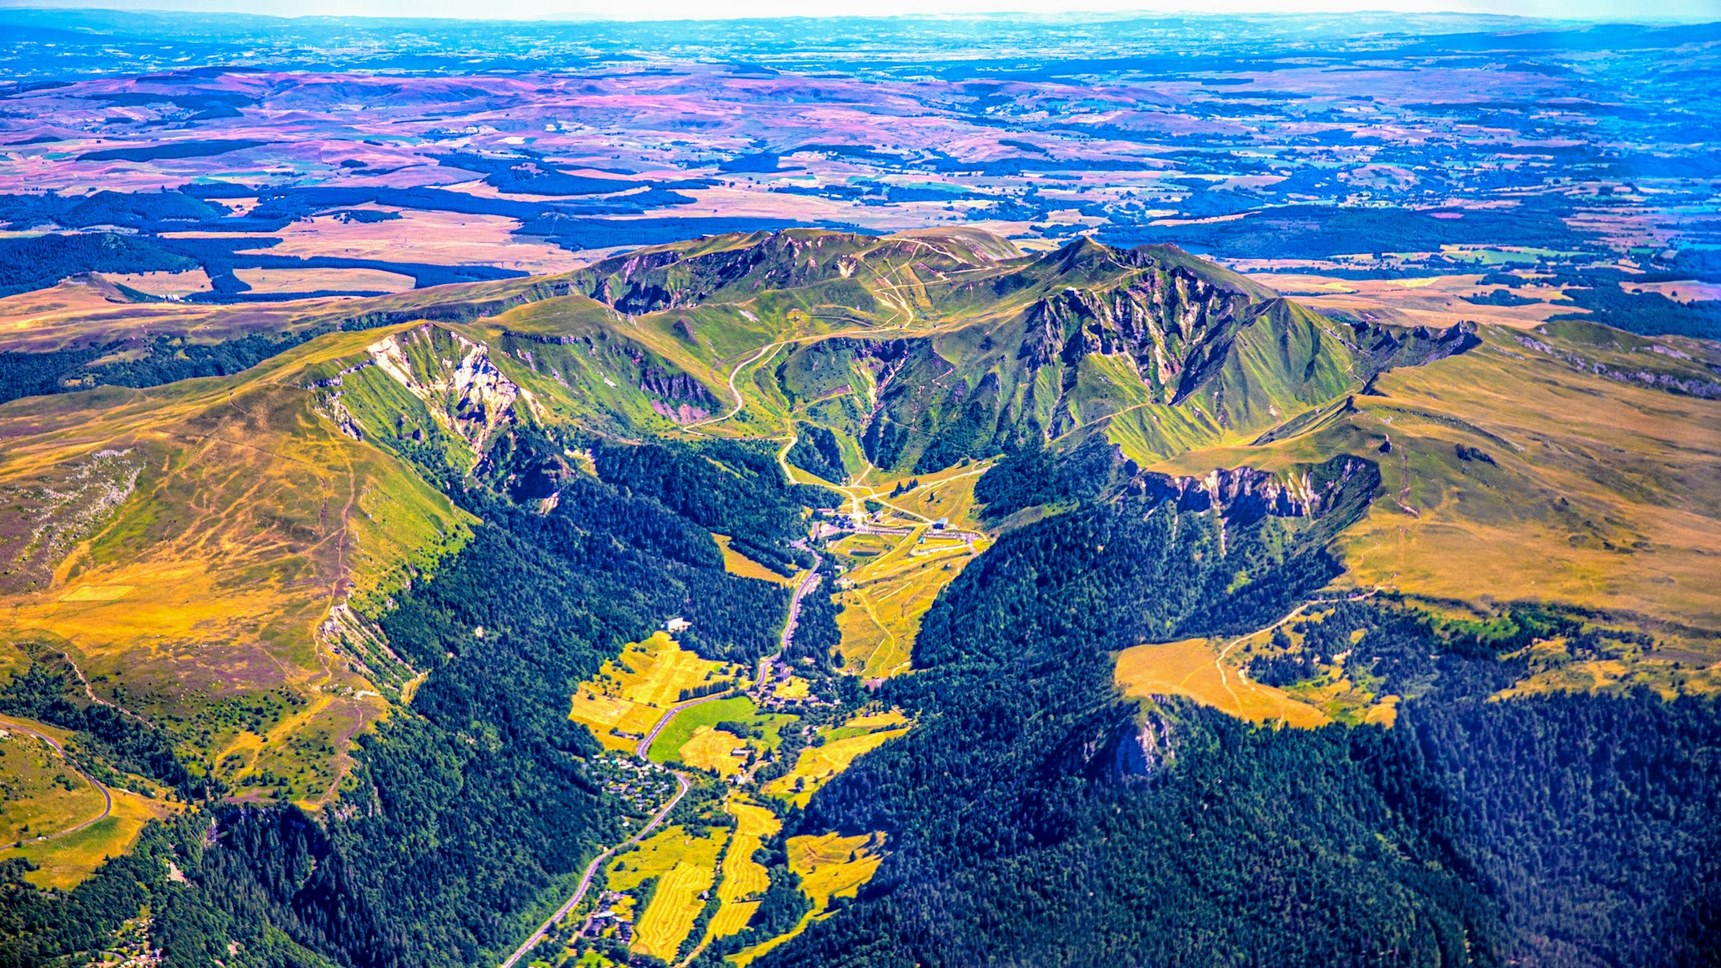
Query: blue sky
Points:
[719, 9]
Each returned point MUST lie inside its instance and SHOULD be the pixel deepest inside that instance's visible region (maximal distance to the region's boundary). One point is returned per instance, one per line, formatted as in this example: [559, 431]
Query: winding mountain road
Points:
[682, 783]
[642, 750]
[10, 724]
[765, 352]
[807, 584]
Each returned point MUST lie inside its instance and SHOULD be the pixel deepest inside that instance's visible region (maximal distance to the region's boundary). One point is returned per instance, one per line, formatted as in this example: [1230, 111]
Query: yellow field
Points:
[631, 692]
[674, 906]
[864, 546]
[1425, 301]
[880, 720]
[437, 238]
[830, 865]
[744, 879]
[715, 750]
[946, 494]
[686, 866]
[1331, 689]
[889, 594]
[279, 281]
[162, 283]
[818, 765]
[1193, 668]
[1681, 290]
[736, 563]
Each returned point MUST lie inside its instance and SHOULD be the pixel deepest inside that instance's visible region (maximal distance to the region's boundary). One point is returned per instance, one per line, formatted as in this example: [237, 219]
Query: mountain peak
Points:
[1080, 254]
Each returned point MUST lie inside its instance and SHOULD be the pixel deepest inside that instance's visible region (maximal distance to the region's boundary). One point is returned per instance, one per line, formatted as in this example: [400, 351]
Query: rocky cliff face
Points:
[676, 396]
[1244, 494]
[1142, 752]
[1160, 322]
[455, 379]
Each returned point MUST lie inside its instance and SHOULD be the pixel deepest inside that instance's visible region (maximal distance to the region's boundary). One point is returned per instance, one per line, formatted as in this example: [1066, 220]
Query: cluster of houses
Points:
[605, 917]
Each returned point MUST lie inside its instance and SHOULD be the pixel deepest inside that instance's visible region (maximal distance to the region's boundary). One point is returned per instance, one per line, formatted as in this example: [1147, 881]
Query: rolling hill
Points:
[289, 575]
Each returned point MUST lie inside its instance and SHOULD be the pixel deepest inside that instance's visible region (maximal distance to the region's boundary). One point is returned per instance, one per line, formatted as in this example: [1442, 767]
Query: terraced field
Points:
[680, 865]
[674, 905]
[660, 889]
[744, 879]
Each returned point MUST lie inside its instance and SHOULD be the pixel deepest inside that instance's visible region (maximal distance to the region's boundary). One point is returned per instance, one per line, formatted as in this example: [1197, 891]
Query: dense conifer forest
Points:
[1032, 816]
[464, 811]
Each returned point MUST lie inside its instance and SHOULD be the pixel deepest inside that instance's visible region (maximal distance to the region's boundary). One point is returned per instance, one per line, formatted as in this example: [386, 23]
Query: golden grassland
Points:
[64, 862]
[163, 283]
[736, 563]
[1678, 290]
[40, 793]
[205, 530]
[79, 311]
[833, 751]
[49, 319]
[685, 866]
[434, 238]
[889, 592]
[1669, 671]
[1333, 690]
[830, 866]
[631, 692]
[1435, 301]
[883, 719]
[1193, 668]
[1601, 493]
[321, 280]
[861, 547]
[947, 494]
[28, 771]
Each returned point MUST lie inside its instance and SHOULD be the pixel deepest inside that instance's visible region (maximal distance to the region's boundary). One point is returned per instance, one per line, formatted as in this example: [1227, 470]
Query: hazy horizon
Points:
[680, 10]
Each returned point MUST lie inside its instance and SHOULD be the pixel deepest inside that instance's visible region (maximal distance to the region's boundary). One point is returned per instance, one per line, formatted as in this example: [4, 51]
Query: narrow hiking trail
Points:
[683, 781]
[1219, 660]
[764, 353]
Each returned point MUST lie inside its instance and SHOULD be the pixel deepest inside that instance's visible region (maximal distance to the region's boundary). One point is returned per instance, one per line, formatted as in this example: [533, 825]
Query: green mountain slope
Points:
[415, 525]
